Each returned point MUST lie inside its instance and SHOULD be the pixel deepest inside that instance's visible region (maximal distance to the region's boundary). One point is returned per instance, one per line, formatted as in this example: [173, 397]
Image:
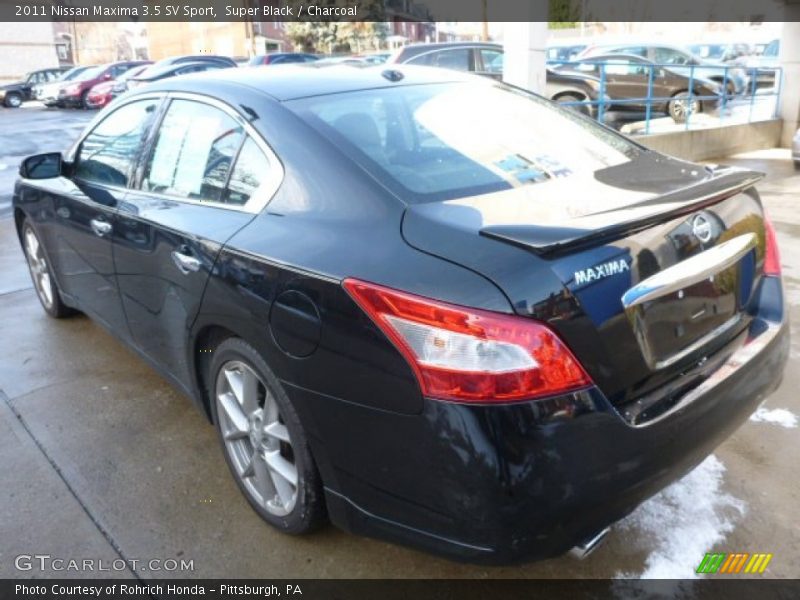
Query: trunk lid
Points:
[645, 269]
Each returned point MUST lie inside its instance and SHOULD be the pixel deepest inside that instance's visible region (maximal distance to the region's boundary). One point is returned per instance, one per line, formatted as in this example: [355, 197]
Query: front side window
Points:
[446, 141]
[193, 152]
[108, 153]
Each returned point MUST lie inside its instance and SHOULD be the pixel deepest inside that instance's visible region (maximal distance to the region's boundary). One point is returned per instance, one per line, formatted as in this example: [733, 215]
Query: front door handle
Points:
[186, 263]
[101, 228]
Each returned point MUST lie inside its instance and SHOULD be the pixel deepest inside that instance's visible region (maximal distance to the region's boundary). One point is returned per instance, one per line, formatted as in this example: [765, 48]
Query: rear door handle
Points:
[101, 228]
[186, 263]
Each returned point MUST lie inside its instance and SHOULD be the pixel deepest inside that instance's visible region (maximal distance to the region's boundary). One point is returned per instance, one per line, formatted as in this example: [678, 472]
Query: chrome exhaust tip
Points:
[589, 545]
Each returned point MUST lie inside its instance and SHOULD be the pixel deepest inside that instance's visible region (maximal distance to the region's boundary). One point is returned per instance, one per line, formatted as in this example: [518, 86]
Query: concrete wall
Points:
[715, 142]
[790, 61]
[25, 47]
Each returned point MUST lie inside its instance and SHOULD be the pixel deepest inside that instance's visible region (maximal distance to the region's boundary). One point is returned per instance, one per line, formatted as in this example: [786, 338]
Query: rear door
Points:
[205, 175]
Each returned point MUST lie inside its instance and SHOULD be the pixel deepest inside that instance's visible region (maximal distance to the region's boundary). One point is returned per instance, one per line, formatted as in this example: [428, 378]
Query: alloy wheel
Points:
[681, 107]
[13, 101]
[256, 438]
[40, 272]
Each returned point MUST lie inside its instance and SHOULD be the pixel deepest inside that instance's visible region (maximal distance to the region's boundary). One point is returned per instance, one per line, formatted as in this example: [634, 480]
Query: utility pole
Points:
[485, 15]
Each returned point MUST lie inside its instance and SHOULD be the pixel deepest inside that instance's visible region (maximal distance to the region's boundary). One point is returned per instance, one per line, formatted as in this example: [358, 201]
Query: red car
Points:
[103, 93]
[76, 93]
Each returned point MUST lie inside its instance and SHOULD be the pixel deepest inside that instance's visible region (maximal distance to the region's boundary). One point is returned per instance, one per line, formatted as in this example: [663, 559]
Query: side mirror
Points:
[107, 76]
[42, 166]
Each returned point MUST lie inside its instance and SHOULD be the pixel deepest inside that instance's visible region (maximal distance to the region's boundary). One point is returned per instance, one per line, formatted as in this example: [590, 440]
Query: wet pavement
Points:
[102, 459]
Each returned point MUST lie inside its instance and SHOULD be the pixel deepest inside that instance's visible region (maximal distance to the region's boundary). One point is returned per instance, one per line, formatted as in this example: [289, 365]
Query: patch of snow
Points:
[683, 522]
[779, 416]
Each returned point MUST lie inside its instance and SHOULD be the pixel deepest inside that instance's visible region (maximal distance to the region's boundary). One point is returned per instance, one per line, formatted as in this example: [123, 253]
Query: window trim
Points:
[470, 48]
[257, 202]
[270, 185]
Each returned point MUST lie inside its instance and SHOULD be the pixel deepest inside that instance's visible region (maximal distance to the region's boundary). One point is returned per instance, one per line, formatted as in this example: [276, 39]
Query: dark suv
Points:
[14, 94]
[75, 94]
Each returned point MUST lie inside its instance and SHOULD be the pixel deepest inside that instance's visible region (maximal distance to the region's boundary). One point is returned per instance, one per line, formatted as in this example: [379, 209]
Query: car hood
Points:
[12, 86]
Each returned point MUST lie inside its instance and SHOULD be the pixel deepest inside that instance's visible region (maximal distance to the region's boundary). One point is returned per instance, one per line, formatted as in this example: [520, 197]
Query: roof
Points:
[288, 82]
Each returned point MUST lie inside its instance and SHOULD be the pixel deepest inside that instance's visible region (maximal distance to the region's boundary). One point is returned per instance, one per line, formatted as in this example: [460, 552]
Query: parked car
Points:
[158, 72]
[570, 88]
[75, 93]
[374, 58]
[225, 61]
[733, 78]
[282, 58]
[436, 308]
[482, 58]
[765, 65]
[627, 84]
[103, 93]
[13, 95]
[47, 92]
[796, 149]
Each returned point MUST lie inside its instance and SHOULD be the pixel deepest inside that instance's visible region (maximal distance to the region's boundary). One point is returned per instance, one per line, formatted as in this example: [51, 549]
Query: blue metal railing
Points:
[735, 91]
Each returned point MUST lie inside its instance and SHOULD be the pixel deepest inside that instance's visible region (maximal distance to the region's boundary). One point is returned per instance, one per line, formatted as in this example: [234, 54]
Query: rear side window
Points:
[108, 153]
[248, 175]
[193, 152]
[457, 59]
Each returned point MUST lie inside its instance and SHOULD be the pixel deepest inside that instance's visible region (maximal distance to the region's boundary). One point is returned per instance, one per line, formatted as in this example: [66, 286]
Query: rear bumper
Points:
[510, 483]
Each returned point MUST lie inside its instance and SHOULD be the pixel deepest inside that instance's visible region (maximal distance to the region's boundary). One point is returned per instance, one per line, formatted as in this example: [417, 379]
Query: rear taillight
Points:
[469, 355]
[772, 258]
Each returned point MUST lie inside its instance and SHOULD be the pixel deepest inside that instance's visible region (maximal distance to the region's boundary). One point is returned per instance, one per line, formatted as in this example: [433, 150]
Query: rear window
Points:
[439, 142]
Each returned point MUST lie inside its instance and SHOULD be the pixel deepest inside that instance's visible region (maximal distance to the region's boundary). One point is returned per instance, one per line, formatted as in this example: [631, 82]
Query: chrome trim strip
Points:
[690, 271]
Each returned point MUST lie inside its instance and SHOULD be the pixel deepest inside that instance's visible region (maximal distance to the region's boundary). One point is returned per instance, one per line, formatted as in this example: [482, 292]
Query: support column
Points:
[524, 46]
[790, 62]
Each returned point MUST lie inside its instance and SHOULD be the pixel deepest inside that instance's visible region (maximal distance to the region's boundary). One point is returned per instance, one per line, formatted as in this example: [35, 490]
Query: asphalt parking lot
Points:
[101, 458]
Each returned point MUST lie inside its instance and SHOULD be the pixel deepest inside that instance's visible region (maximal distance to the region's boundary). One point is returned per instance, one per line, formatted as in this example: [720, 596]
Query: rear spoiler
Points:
[597, 228]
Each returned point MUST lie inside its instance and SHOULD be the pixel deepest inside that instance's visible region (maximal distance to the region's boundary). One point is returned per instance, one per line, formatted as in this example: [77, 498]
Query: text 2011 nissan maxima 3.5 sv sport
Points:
[440, 310]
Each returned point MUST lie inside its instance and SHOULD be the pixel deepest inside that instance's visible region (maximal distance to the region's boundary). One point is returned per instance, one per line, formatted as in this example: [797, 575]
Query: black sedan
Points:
[438, 310]
[158, 72]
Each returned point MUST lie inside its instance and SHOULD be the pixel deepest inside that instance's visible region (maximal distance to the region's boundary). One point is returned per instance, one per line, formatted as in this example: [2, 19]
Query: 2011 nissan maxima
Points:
[435, 308]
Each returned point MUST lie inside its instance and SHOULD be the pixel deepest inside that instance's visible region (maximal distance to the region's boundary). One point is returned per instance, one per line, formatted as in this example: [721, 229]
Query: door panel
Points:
[164, 252]
[83, 224]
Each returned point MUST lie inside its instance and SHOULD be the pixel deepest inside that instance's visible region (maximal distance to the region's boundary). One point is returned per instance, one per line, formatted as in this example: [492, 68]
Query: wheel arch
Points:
[205, 341]
[576, 93]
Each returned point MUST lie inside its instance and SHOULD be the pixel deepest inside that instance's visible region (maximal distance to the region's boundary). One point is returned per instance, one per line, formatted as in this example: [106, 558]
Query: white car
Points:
[47, 93]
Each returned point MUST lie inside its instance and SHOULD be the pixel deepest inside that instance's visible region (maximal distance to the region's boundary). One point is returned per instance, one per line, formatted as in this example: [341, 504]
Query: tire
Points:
[13, 100]
[678, 107]
[582, 108]
[253, 416]
[43, 281]
[797, 165]
[85, 101]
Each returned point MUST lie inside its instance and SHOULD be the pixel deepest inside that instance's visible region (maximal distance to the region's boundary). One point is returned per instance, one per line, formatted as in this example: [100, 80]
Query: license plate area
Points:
[686, 307]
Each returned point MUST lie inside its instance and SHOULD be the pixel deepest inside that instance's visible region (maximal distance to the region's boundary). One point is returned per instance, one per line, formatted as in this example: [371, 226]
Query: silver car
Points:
[796, 150]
